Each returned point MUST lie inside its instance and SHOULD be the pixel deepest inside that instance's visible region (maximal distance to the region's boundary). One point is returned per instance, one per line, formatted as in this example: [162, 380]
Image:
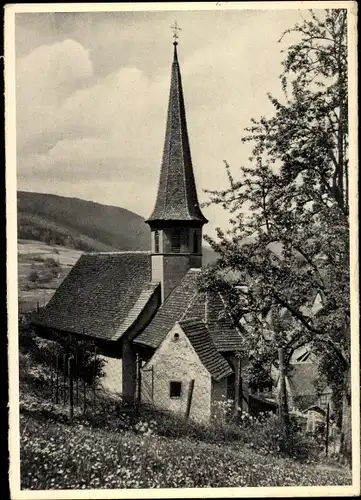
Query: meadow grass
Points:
[57, 455]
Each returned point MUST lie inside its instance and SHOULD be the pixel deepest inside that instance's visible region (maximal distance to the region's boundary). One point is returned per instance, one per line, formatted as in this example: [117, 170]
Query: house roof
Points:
[170, 311]
[101, 296]
[225, 335]
[202, 343]
[177, 196]
[186, 302]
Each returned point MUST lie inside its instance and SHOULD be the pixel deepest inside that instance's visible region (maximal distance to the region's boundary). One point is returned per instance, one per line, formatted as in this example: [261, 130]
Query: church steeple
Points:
[177, 220]
[177, 198]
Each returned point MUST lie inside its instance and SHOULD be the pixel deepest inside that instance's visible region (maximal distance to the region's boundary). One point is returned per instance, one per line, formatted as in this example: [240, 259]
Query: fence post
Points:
[94, 374]
[84, 385]
[139, 380]
[76, 372]
[57, 379]
[327, 427]
[64, 378]
[283, 409]
[237, 385]
[52, 378]
[71, 392]
[152, 383]
[189, 401]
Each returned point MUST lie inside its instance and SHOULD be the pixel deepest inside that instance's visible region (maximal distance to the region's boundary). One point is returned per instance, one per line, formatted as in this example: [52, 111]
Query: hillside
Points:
[83, 225]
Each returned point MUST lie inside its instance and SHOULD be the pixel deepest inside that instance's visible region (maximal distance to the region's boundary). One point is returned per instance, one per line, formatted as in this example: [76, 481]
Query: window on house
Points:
[175, 389]
[176, 240]
[156, 241]
[195, 243]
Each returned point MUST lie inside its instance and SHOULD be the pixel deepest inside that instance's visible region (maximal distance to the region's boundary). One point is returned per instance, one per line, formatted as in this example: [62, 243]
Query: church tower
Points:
[176, 222]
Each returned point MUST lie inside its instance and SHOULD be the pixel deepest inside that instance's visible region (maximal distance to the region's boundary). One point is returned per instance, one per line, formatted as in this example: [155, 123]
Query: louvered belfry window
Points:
[156, 241]
[176, 241]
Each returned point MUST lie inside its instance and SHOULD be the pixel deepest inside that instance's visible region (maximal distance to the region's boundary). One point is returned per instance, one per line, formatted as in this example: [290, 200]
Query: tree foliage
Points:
[288, 208]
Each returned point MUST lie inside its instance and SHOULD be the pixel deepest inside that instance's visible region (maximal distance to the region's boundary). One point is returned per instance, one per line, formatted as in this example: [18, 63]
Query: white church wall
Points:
[112, 378]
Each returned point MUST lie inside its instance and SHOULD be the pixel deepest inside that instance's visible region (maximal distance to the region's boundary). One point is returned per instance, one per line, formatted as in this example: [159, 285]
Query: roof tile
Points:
[99, 292]
[202, 343]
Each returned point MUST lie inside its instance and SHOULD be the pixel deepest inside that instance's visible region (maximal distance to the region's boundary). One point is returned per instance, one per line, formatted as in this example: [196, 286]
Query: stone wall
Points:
[176, 361]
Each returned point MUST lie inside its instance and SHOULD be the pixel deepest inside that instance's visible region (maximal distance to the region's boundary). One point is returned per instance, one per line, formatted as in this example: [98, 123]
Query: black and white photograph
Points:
[182, 249]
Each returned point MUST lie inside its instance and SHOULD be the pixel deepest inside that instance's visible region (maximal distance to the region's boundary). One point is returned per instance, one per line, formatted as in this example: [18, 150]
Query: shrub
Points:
[50, 262]
[33, 276]
[46, 276]
[265, 434]
[38, 258]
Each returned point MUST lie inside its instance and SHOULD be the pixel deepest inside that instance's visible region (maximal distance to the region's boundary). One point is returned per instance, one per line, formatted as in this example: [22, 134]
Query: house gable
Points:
[175, 344]
[176, 361]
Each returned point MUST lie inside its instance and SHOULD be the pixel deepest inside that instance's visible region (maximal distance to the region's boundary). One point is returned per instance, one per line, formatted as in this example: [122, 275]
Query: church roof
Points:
[101, 296]
[202, 343]
[186, 302]
[177, 195]
[170, 311]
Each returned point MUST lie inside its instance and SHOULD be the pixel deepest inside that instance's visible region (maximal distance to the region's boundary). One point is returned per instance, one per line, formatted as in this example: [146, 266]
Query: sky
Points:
[92, 93]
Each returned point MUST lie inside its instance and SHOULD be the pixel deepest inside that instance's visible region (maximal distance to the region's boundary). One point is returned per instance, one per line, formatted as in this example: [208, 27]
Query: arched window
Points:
[195, 243]
[176, 240]
[156, 241]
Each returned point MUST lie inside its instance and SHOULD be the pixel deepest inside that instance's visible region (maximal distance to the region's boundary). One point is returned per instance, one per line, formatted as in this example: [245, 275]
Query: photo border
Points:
[12, 278]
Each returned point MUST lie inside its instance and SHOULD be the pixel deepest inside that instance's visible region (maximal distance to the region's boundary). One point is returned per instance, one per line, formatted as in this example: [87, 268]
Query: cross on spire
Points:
[175, 29]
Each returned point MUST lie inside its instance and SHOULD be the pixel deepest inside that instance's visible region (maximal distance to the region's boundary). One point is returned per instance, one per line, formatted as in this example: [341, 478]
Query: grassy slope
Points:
[31, 255]
[59, 456]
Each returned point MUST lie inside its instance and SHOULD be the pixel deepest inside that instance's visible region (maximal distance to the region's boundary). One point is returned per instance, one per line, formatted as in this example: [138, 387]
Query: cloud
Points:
[44, 78]
[91, 109]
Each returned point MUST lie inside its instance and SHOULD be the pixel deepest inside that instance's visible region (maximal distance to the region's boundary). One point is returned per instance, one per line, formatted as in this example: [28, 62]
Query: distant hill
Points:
[83, 225]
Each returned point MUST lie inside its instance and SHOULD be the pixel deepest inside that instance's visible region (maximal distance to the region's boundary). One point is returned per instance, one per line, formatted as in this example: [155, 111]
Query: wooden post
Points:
[282, 397]
[64, 378]
[240, 385]
[139, 380]
[152, 383]
[52, 378]
[327, 427]
[84, 385]
[71, 388]
[237, 382]
[189, 400]
[94, 374]
[76, 372]
[57, 379]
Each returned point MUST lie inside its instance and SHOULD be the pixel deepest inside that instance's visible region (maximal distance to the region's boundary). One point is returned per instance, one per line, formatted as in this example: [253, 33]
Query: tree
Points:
[289, 211]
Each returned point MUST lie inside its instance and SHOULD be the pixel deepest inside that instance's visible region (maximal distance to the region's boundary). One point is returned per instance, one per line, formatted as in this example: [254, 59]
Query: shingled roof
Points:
[170, 311]
[102, 295]
[177, 196]
[186, 302]
[202, 343]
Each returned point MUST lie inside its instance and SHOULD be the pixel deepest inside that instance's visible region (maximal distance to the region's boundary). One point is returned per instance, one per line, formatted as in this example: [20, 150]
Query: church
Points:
[176, 343]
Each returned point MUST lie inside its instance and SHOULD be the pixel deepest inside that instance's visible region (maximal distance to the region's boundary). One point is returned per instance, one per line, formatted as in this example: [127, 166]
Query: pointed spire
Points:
[177, 198]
